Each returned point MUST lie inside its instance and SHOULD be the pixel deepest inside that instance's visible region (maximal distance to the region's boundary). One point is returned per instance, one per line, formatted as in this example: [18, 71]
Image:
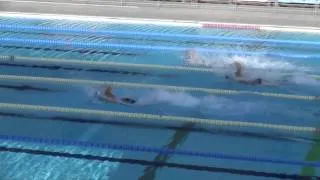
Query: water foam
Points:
[90, 91]
[173, 98]
[206, 103]
[254, 62]
[304, 79]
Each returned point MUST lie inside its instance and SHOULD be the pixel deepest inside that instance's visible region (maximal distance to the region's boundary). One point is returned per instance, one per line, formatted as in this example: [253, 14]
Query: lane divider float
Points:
[152, 117]
[107, 64]
[153, 86]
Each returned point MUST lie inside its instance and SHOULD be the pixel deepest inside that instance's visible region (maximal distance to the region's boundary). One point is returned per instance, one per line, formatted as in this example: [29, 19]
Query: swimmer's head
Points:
[128, 100]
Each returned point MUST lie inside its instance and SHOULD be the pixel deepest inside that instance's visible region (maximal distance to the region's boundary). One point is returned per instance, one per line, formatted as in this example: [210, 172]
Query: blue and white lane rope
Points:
[64, 81]
[154, 117]
[106, 64]
[176, 37]
[137, 47]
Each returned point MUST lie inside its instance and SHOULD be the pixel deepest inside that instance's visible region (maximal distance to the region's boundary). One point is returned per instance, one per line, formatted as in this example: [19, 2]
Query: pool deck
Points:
[190, 12]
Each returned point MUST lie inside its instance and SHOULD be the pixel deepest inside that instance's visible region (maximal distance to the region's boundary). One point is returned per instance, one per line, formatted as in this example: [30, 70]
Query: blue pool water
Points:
[29, 149]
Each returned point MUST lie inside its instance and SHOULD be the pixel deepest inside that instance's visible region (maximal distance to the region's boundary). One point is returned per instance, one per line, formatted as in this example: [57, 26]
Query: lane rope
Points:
[74, 44]
[176, 37]
[149, 149]
[153, 117]
[112, 64]
[231, 26]
[102, 63]
[153, 86]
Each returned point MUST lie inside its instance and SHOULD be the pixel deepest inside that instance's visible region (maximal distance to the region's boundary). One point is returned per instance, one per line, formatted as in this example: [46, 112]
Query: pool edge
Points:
[169, 22]
[218, 13]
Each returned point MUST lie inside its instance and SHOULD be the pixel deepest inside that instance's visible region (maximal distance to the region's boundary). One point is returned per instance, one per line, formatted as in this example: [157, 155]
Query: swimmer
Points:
[239, 76]
[107, 95]
[193, 59]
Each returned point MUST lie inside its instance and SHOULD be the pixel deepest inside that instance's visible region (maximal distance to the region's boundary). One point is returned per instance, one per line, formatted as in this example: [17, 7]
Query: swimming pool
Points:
[189, 121]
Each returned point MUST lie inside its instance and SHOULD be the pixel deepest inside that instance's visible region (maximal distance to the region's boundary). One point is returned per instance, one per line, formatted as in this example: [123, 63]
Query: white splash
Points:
[90, 91]
[206, 103]
[253, 67]
[251, 62]
[304, 79]
[173, 98]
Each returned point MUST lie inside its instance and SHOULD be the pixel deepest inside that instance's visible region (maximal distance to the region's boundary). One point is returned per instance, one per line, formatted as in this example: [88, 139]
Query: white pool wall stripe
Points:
[290, 29]
[102, 19]
[157, 21]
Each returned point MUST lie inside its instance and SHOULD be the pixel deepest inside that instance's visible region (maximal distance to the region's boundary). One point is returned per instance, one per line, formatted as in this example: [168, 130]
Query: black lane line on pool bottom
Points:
[155, 164]
[81, 51]
[26, 88]
[58, 67]
[152, 126]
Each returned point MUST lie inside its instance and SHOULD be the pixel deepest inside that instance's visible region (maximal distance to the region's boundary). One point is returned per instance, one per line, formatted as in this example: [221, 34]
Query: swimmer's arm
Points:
[108, 92]
[109, 89]
[239, 69]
